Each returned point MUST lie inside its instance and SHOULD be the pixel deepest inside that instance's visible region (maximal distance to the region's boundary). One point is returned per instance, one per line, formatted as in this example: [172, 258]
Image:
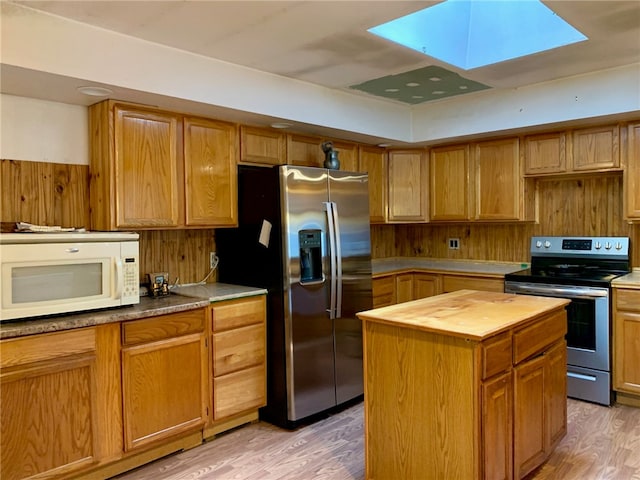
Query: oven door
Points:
[588, 320]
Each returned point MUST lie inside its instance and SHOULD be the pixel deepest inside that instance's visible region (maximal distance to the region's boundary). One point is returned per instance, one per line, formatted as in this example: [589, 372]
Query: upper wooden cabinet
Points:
[449, 183]
[498, 180]
[545, 153]
[304, 150]
[373, 160]
[596, 148]
[347, 155]
[260, 145]
[580, 150]
[632, 173]
[408, 186]
[149, 166]
[211, 191]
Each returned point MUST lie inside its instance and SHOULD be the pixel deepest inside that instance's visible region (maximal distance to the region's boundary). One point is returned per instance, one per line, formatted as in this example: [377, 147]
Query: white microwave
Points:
[53, 273]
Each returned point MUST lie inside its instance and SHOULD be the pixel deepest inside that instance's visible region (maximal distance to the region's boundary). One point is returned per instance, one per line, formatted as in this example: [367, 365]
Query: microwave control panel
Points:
[131, 277]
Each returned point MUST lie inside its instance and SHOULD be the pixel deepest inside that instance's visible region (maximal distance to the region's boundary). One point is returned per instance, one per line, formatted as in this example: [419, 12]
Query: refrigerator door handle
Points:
[332, 259]
[338, 250]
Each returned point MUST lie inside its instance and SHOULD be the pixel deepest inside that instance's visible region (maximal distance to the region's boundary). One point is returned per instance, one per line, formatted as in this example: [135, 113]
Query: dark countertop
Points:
[183, 299]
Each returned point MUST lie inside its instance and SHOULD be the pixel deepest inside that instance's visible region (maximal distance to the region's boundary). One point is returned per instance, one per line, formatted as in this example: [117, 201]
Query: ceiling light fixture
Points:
[281, 125]
[94, 91]
[392, 90]
[413, 84]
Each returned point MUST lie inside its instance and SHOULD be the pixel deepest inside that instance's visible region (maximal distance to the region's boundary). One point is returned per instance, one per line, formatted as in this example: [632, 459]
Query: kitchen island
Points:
[467, 385]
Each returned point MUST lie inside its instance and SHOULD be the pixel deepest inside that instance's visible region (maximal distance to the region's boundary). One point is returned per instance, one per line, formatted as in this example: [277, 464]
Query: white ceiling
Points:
[326, 42]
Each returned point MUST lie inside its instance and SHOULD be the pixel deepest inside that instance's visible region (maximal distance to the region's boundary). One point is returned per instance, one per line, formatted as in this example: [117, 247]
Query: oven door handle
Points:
[573, 292]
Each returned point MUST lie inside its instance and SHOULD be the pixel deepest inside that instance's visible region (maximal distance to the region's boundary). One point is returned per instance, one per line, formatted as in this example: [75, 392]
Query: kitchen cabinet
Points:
[452, 282]
[384, 291]
[404, 287]
[426, 285]
[347, 155]
[164, 377]
[238, 362]
[545, 153]
[540, 393]
[501, 406]
[626, 345]
[305, 151]
[211, 190]
[60, 396]
[373, 160]
[262, 146]
[408, 186]
[449, 183]
[596, 148]
[148, 166]
[498, 180]
[593, 149]
[631, 186]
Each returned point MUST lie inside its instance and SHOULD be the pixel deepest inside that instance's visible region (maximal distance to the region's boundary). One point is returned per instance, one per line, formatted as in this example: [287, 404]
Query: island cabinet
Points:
[466, 385]
[152, 169]
[626, 345]
[61, 403]
[238, 362]
[164, 377]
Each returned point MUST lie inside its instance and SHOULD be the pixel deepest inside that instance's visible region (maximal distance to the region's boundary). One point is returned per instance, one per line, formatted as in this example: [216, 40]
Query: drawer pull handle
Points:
[579, 376]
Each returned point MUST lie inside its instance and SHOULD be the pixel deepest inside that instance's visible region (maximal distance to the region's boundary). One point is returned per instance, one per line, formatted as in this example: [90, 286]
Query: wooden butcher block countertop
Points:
[465, 313]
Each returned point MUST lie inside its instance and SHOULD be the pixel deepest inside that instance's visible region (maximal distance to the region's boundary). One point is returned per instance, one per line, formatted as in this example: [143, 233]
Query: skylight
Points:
[474, 33]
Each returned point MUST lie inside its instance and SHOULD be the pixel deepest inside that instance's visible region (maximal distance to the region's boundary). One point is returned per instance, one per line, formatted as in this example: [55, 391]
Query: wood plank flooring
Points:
[601, 443]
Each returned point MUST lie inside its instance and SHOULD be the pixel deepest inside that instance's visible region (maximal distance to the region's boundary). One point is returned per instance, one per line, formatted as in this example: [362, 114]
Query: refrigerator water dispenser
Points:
[310, 256]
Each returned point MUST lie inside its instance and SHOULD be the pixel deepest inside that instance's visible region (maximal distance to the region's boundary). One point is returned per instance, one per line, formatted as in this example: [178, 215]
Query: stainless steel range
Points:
[580, 269]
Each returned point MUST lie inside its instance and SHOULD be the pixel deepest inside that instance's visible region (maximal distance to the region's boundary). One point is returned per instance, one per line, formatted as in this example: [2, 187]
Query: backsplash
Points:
[585, 205]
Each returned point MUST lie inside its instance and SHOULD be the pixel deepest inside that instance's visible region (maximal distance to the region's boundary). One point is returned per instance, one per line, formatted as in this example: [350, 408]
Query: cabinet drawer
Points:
[239, 391]
[20, 351]
[237, 349]
[384, 289]
[165, 326]
[238, 313]
[628, 300]
[452, 283]
[496, 355]
[533, 339]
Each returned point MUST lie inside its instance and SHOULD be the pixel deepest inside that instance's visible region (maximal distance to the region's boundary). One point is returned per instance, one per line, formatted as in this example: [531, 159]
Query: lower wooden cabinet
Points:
[626, 345]
[60, 403]
[238, 359]
[384, 291]
[164, 377]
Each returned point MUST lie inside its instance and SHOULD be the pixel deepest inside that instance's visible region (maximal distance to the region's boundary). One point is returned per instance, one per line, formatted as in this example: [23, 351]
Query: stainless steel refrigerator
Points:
[304, 236]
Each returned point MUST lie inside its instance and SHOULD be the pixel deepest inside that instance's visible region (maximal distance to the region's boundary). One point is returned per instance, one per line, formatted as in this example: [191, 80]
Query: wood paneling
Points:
[45, 193]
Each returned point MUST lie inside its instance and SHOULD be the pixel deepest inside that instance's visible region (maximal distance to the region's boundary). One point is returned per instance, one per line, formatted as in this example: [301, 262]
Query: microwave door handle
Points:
[119, 278]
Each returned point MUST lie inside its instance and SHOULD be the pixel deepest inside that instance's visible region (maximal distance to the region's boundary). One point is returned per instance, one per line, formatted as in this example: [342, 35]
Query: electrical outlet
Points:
[454, 244]
[212, 259]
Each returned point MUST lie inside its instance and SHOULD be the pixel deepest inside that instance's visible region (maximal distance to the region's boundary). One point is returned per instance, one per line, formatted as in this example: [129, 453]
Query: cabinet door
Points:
[449, 182]
[304, 151]
[374, 162]
[498, 181]
[497, 427]
[348, 156]
[407, 186]
[49, 414]
[556, 394]
[545, 153]
[596, 148]
[259, 145]
[426, 285]
[632, 173]
[163, 388]
[210, 154]
[147, 169]
[529, 432]
[626, 341]
[239, 391]
[404, 287]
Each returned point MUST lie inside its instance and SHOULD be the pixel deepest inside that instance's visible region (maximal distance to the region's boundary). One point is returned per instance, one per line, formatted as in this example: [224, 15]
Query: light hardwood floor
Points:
[601, 443]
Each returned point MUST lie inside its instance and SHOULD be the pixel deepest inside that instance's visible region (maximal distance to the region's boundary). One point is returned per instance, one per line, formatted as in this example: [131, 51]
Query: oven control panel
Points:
[609, 246]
